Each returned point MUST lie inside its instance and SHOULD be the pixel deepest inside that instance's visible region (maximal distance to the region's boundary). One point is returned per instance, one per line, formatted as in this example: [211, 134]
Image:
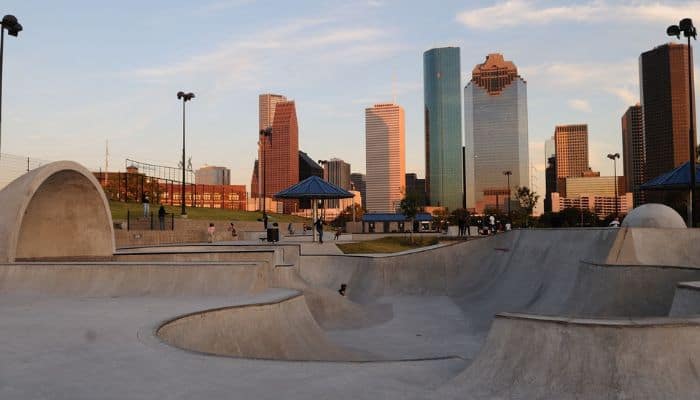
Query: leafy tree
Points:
[527, 199]
[346, 215]
[409, 208]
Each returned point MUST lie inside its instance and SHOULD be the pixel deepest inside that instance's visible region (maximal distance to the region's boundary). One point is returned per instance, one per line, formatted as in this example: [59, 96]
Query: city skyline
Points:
[231, 61]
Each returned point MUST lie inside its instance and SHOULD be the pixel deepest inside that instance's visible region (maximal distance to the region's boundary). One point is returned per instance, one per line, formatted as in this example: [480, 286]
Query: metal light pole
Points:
[185, 97]
[13, 27]
[508, 174]
[686, 26]
[267, 132]
[614, 158]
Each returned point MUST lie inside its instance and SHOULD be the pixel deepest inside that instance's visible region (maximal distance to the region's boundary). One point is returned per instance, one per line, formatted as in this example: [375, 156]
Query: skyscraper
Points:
[280, 153]
[385, 155]
[211, 175]
[266, 108]
[633, 152]
[358, 181]
[663, 81]
[496, 134]
[571, 142]
[550, 172]
[416, 188]
[337, 172]
[307, 168]
[443, 122]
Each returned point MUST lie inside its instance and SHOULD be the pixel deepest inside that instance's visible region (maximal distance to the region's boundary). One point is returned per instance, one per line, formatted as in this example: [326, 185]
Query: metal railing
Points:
[152, 222]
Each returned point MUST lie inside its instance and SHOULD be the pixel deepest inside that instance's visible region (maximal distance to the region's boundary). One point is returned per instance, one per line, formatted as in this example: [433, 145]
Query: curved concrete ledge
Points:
[536, 357]
[281, 329]
[56, 211]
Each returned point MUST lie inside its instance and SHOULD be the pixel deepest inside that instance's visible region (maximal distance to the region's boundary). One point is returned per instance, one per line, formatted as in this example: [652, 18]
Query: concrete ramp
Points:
[686, 301]
[281, 329]
[534, 357]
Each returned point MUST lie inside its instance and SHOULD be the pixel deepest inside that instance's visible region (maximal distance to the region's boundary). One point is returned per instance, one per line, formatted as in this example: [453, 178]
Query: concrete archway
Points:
[58, 211]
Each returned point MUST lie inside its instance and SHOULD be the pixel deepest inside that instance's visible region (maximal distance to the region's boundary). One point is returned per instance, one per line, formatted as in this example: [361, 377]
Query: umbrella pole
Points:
[313, 220]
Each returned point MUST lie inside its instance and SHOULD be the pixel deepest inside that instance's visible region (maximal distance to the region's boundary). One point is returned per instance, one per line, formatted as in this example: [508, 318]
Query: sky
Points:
[86, 72]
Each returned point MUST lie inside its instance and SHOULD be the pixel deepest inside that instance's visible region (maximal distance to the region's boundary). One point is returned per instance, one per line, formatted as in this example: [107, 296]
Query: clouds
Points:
[532, 12]
[580, 105]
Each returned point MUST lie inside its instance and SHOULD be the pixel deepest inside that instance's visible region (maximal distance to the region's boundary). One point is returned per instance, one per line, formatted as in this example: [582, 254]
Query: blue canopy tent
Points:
[314, 188]
[678, 179]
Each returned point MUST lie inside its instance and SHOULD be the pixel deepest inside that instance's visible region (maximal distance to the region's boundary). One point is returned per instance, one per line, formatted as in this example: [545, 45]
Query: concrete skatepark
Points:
[530, 314]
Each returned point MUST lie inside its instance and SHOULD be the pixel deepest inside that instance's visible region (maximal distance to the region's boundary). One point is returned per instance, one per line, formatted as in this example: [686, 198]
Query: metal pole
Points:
[264, 188]
[313, 220]
[182, 192]
[508, 175]
[617, 206]
[691, 137]
[2, 46]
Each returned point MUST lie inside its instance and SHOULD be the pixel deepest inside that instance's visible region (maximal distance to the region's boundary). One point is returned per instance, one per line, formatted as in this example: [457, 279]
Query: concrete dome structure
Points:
[653, 216]
[57, 211]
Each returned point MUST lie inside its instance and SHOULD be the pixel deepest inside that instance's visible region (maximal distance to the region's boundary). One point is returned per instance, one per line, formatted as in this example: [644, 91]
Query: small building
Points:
[392, 222]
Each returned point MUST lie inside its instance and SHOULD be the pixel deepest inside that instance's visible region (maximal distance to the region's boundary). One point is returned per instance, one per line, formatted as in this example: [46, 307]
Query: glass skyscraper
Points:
[443, 126]
[496, 138]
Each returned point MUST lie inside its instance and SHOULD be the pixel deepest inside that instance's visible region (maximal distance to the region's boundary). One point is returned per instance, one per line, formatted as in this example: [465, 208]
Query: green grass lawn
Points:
[214, 214]
[392, 244]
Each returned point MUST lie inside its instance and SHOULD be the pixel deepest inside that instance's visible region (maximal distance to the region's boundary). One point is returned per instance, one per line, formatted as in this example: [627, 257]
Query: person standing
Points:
[161, 217]
[146, 205]
[211, 231]
[492, 223]
[232, 229]
[319, 229]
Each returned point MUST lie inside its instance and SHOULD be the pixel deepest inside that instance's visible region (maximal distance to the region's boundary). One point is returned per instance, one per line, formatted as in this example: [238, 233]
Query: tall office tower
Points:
[385, 156]
[663, 80]
[255, 183]
[280, 153]
[266, 108]
[495, 131]
[307, 167]
[416, 188]
[358, 182]
[571, 147]
[633, 152]
[337, 172]
[550, 173]
[211, 175]
[443, 122]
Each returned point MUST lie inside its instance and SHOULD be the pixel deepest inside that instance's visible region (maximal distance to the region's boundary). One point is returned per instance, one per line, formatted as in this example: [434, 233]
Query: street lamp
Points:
[614, 158]
[686, 26]
[508, 174]
[13, 27]
[267, 132]
[185, 97]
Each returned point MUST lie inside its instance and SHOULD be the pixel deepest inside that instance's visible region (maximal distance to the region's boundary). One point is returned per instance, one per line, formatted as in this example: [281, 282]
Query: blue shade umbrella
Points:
[314, 188]
[678, 179]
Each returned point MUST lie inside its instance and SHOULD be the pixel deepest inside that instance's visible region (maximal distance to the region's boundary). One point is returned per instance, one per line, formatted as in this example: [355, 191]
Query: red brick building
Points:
[280, 153]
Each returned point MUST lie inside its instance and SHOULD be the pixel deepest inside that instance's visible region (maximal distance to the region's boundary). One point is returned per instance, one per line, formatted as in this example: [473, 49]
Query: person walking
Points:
[232, 229]
[146, 205]
[161, 217]
[492, 224]
[319, 229]
[211, 231]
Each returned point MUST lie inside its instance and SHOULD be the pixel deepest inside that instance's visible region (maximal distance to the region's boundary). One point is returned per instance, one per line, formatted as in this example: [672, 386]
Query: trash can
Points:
[273, 235]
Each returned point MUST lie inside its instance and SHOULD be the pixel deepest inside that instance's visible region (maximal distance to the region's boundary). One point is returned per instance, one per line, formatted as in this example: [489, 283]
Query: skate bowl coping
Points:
[57, 211]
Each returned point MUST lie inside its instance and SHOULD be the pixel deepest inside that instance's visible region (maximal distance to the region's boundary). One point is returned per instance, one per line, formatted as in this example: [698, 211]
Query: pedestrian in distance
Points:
[161, 217]
[319, 229]
[492, 224]
[615, 223]
[211, 231]
[290, 229]
[146, 205]
[337, 233]
[232, 229]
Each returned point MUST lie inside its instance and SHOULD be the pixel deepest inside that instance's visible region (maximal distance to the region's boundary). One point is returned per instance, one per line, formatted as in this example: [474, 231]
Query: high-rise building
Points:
[337, 172]
[211, 175]
[496, 133]
[416, 188]
[571, 143]
[307, 167]
[266, 108]
[443, 122]
[279, 162]
[663, 82]
[385, 157]
[359, 184]
[550, 172]
[633, 152]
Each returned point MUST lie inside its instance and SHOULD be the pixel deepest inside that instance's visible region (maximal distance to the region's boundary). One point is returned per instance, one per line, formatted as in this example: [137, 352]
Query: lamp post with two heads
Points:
[508, 174]
[264, 133]
[9, 23]
[614, 158]
[686, 27]
[185, 97]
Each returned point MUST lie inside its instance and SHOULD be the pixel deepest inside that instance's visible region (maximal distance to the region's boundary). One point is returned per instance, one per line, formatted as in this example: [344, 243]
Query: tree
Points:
[409, 209]
[527, 199]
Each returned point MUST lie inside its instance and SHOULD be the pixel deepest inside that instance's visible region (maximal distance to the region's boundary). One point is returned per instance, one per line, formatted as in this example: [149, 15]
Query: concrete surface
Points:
[513, 316]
